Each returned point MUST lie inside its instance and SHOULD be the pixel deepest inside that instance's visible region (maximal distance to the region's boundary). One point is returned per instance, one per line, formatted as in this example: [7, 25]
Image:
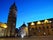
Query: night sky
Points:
[28, 10]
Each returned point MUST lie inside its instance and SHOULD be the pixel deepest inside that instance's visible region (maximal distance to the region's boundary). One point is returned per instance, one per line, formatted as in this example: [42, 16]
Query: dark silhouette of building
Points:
[11, 22]
[16, 32]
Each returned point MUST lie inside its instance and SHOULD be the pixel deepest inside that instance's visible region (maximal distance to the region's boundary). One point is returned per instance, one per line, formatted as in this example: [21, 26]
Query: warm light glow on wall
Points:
[4, 25]
[50, 21]
[32, 23]
[38, 22]
[46, 21]
[26, 29]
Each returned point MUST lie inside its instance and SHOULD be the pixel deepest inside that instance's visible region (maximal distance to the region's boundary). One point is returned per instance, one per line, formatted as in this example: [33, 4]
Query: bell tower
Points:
[11, 22]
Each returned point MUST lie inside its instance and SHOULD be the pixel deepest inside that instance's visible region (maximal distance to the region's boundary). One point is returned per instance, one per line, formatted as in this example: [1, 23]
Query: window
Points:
[14, 24]
[47, 27]
[51, 26]
[43, 27]
[52, 29]
[32, 28]
[34, 33]
[39, 27]
[38, 30]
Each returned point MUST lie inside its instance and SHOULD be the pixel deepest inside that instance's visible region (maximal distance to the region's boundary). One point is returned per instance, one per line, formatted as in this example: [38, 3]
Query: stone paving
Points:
[30, 38]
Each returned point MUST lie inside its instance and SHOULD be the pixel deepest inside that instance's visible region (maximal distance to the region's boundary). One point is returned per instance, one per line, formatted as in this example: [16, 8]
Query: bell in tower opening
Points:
[11, 22]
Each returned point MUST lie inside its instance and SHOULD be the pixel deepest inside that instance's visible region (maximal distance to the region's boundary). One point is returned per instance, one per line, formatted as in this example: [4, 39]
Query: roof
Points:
[23, 25]
[13, 6]
[50, 19]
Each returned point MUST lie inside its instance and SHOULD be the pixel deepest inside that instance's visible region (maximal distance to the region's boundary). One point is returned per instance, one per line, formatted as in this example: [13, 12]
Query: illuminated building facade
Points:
[3, 29]
[41, 27]
[11, 23]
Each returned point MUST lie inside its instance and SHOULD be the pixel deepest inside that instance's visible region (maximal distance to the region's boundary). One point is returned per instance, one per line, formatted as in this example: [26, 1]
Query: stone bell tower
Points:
[11, 22]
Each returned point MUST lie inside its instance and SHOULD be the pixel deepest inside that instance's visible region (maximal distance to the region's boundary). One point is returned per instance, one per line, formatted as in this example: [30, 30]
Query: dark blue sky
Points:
[28, 10]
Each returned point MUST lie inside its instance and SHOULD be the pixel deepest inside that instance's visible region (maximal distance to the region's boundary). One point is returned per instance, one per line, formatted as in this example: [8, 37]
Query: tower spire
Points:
[13, 6]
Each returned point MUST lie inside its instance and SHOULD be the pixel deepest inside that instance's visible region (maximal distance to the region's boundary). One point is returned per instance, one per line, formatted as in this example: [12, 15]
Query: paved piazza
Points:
[30, 38]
